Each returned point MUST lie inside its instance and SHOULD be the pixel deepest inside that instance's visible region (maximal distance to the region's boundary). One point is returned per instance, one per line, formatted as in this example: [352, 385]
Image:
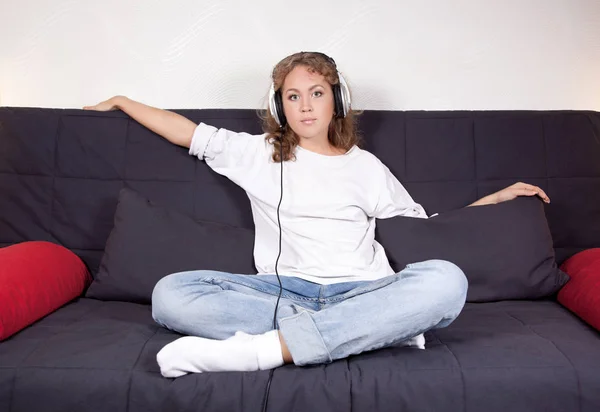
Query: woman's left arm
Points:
[511, 192]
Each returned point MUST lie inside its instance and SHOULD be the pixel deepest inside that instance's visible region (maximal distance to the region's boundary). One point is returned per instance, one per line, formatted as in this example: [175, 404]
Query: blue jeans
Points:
[319, 323]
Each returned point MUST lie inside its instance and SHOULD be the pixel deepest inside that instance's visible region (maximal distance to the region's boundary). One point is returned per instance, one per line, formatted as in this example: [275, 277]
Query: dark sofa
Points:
[60, 176]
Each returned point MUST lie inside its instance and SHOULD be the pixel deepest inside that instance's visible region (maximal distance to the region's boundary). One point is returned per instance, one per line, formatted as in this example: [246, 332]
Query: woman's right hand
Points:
[105, 106]
[174, 127]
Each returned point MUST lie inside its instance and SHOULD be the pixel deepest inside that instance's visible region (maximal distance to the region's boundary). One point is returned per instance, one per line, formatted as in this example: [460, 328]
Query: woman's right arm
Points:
[175, 128]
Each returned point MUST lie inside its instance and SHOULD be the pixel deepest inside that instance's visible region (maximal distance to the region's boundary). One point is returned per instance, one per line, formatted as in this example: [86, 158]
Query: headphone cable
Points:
[267, 390]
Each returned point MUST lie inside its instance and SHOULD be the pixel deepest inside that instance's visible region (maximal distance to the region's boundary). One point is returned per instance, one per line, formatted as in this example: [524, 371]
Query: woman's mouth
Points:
[308, 121]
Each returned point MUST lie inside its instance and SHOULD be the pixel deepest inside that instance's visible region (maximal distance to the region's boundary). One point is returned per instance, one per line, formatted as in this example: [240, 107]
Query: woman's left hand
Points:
[511, 192]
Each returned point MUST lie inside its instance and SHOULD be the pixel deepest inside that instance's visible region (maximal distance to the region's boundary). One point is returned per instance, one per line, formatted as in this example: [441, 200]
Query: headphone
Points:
[341, 97]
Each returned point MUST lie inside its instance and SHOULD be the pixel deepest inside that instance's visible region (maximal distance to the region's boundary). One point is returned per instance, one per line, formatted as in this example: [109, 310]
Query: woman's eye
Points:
[294, 97]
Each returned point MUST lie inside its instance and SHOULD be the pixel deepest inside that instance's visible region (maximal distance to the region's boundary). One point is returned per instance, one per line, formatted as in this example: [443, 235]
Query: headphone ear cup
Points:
[338, 102]
[344, 95]
[279, 107]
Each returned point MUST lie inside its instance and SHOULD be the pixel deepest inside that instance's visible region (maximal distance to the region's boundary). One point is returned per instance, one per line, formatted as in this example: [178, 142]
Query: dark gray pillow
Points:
[149, 242]
[505, 250]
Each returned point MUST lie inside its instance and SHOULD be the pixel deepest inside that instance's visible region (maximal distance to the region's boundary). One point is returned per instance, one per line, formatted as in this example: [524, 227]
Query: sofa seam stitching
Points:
[485, 180]
[407, 369]
[462, 377]
[133, 368]
[350, 384]
[561, 352]
[53, 190]
[12, 390]
[475, 177]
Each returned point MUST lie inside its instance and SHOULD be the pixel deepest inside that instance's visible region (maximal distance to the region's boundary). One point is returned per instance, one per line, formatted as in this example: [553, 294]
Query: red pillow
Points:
[581, 294]
[37, 278]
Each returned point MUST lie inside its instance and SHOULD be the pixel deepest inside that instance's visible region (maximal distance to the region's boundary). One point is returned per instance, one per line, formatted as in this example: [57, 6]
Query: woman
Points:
[315, 197]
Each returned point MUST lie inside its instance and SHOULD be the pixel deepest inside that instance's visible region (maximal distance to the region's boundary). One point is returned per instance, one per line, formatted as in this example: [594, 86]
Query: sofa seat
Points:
[511, 355]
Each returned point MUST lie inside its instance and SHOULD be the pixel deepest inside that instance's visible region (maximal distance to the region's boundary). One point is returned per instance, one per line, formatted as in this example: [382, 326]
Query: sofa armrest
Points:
[37, 277]
[581, 294]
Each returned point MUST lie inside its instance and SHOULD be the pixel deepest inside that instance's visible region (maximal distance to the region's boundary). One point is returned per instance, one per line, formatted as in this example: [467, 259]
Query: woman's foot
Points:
[417, 341]
[241, 352]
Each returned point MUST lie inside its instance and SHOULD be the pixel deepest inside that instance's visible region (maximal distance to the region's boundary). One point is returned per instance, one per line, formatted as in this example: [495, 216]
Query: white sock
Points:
[241, 352]
[417, 341]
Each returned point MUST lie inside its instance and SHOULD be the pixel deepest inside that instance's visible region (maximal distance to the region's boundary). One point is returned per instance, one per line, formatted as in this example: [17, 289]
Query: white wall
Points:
[463, 54]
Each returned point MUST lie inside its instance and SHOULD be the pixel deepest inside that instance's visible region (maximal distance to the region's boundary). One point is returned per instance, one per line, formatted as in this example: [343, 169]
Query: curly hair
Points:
[342, 132]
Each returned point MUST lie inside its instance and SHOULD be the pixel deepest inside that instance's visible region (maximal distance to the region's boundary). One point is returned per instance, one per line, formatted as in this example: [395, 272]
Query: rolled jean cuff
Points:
[303, 339]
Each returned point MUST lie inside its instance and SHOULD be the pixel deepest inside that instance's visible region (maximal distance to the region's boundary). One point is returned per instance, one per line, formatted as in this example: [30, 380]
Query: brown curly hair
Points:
[342, 131]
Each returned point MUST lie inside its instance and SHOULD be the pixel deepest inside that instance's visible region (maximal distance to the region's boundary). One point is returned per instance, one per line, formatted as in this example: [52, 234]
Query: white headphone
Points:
[341, 97]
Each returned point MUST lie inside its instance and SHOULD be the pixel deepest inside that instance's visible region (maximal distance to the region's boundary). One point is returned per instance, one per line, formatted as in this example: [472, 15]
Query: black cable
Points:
[279, 224]
[268, 388]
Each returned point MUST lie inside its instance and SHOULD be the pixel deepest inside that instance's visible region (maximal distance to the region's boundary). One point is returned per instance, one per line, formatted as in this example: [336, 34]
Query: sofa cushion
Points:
[36, 278]
[517, 356]
[149, 241]
[504, 249]
[582, 294]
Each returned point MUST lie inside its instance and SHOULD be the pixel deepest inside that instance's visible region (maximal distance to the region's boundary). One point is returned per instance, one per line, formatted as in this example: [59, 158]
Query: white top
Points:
[328, 209]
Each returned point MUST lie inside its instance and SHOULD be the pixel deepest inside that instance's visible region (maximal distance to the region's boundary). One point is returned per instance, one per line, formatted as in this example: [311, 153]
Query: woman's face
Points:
[307, 103]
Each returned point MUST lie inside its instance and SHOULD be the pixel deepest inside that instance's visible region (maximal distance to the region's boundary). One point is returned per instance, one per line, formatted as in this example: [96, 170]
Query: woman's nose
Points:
[306, 107]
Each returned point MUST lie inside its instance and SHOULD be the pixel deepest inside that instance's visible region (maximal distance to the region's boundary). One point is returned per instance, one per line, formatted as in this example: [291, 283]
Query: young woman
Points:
[315, 197]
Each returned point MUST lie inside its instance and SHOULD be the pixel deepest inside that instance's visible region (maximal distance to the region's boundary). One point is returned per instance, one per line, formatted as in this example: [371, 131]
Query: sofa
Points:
[65, 173]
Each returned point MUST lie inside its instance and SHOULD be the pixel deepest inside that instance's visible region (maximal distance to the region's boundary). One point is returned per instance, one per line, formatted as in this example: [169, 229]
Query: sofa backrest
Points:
[61, 170]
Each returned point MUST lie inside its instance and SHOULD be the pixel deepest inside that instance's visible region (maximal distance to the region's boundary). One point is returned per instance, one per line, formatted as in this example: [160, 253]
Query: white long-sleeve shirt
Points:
[328, 210]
